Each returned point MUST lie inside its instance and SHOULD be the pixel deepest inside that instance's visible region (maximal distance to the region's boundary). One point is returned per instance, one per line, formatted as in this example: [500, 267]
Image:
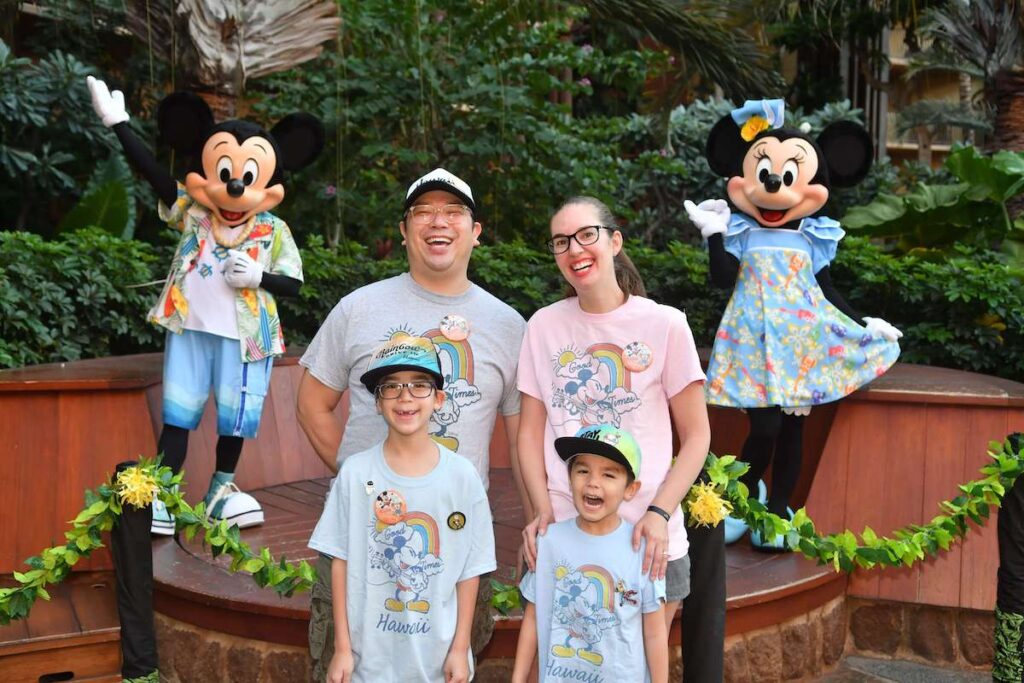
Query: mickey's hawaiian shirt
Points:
[270, 243]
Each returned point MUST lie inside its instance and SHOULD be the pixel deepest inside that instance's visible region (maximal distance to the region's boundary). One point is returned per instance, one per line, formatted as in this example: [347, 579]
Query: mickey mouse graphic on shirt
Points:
[233, 258]
[406, 547]
[593, 386]
[584, 607]
[787, 340]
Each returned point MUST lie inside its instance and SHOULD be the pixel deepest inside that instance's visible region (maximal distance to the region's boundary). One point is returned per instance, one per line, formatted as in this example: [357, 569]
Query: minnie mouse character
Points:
[233, 258]
[787, 340]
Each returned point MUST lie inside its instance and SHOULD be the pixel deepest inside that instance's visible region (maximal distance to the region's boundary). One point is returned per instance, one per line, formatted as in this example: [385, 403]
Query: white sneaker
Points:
[163, 521]
[235, 506]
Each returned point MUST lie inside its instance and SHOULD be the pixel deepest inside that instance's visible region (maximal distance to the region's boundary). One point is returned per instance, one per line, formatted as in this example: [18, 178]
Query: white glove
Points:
[711, 216]
[109, 106]
[241, 271]
[879, 328]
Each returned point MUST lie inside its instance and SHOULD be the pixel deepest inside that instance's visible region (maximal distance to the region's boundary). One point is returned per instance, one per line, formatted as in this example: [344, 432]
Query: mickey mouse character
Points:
[787, 340]
[233, 258]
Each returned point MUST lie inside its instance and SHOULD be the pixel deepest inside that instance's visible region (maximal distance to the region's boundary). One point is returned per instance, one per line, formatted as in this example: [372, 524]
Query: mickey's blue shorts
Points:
[196, 361]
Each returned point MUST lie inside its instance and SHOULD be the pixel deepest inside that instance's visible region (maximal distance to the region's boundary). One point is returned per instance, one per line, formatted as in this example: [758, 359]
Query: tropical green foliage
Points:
[972, 210]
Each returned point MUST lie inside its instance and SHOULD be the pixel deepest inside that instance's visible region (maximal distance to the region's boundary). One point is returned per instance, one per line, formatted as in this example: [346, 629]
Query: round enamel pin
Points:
[389, 507]
[454, 327]
[456, 521]
[637, 356]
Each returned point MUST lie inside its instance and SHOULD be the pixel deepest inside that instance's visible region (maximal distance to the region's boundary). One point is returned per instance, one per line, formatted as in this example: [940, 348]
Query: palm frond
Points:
[942, 113]
[706, 36]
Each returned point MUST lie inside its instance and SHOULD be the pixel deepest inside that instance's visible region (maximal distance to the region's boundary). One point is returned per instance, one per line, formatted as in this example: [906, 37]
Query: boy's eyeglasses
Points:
[586, 235]
[392, 390]
[424, 215]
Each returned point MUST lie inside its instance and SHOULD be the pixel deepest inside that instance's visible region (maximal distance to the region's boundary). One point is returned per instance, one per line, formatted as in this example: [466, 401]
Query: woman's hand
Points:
[341, 667]
[654, 529]
[538, 527]
[456, 666]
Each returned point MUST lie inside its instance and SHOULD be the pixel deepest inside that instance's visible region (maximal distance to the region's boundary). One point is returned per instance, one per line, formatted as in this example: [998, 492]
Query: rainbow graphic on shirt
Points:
[583, 609]
[404, 554]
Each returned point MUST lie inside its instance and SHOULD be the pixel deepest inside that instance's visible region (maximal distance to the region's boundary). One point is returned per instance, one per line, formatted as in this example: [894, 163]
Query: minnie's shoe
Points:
[163, 521]
[776, 545]
[736, 527]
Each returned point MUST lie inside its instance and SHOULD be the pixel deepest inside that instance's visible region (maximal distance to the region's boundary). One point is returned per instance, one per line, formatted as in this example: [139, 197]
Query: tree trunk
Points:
[964, 89]
[1008, 127]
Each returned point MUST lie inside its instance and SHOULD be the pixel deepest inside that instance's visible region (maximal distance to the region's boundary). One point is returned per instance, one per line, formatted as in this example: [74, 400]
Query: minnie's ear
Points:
[300, 138]
[848, 152]
[725, 148]
[184, 120]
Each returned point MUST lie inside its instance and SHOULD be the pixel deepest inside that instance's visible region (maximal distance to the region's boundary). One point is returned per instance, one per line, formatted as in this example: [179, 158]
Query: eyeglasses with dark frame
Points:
[424, 214]
[418, 389]
[586, 235]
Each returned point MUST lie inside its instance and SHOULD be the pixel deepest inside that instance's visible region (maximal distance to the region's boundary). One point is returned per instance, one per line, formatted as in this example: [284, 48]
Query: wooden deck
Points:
[73, 636]
[193, 587]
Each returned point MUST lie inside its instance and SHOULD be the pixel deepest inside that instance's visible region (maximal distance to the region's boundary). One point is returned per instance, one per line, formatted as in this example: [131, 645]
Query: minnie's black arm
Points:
[724, 266]
[824, 278]
[146, 164]
[280, 285]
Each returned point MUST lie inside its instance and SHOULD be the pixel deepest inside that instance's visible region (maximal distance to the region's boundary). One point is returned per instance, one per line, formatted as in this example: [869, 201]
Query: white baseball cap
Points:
[440, 179]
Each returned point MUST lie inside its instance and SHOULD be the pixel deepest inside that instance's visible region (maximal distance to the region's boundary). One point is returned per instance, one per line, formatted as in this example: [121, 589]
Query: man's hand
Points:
[241, 271]
[109, 106]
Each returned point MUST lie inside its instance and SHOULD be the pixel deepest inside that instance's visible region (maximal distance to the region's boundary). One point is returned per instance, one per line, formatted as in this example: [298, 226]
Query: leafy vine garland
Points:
[137, 486]
[706, 504]
[845, 551]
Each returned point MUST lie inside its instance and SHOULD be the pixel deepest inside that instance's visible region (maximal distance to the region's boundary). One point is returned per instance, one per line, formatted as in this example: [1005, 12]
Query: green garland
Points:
[137, 486]
[844, 551]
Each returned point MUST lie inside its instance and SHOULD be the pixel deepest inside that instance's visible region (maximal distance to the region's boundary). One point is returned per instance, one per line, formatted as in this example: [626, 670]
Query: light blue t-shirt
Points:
[407, 542]
[590, 594]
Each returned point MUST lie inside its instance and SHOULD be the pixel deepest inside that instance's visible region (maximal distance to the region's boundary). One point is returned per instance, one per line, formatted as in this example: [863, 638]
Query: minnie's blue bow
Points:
[772, 111]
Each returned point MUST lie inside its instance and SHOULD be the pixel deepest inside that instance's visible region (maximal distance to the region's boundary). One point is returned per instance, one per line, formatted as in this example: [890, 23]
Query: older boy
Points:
[409, 529]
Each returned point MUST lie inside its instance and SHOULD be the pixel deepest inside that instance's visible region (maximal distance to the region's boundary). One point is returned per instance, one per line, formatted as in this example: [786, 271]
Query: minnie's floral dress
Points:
[781, 342]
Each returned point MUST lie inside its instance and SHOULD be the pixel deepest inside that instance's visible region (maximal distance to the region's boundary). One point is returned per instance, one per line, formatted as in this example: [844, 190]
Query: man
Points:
[476, 335]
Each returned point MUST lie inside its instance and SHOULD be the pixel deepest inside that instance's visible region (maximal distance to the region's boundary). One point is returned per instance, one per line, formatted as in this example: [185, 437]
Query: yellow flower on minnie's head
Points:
[705, 506]
[136, 487]
[753, 126]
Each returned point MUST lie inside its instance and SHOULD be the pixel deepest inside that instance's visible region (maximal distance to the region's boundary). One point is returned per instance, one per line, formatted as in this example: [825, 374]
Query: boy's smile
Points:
[408, 414]
[599, 485]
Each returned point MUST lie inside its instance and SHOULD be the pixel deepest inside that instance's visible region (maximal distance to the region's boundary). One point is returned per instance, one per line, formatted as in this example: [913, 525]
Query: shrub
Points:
[77, 297]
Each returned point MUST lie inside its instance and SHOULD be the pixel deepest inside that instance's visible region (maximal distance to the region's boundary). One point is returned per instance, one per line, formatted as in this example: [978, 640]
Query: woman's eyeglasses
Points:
[588, 234]
[392, 390]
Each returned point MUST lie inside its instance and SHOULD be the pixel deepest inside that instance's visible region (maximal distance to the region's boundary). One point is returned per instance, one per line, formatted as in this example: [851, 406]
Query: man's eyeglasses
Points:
[421, 214]
[392, 390]
[588, 234]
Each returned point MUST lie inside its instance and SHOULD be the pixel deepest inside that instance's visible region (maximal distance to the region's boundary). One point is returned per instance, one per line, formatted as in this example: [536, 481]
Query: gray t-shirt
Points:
[407, 543]
[591, 594]
[479, 370]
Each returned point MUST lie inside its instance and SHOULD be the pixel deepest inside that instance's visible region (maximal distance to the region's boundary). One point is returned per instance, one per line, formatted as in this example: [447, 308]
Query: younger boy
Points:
[589, 594]
[408, 525]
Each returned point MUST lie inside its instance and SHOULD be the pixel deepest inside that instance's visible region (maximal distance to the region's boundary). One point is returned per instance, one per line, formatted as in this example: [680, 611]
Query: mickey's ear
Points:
[848, 152]
[300, 138]
[184, 120]
[725, 148]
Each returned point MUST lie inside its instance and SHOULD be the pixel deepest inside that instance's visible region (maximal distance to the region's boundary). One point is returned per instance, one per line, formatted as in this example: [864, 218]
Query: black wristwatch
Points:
[658, 511]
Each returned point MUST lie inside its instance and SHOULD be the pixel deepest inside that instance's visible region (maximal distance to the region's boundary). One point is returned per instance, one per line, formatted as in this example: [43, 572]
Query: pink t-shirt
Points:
[619, 368]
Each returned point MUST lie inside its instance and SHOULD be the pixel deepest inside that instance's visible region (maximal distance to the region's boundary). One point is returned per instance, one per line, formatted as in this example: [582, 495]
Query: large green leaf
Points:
[105, 207]
[997, 178]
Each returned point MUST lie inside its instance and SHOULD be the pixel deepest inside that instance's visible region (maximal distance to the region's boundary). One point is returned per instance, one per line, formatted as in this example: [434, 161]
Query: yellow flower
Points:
[136, 487]
[705, 506]
[753, 126]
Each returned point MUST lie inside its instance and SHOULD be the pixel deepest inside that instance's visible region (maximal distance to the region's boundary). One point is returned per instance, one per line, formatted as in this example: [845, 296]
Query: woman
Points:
[607, 354]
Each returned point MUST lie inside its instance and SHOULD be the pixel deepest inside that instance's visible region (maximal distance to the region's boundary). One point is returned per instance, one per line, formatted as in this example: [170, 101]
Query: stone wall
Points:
[189, 654]
[933, 635]
[803, 646]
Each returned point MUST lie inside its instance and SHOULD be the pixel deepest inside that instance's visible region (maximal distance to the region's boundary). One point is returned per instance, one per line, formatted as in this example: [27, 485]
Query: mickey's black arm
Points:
[724, 266]
[824, 278]
[280, 285]
[144, 161]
